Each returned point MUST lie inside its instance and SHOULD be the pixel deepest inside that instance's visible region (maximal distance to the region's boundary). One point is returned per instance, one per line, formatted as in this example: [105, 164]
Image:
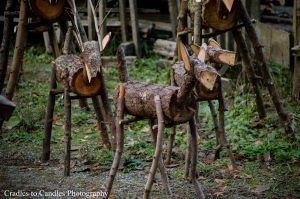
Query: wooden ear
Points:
[202, 52]
[195, 48]
[228, 4]
[185, 56]
[227, 57]
[213, 43]
[106, 40]
[88, 72]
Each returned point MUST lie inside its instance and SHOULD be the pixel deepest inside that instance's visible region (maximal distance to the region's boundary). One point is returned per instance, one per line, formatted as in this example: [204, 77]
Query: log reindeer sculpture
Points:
[168, 105]
[213, 54]
[231, 15]
[83, 76]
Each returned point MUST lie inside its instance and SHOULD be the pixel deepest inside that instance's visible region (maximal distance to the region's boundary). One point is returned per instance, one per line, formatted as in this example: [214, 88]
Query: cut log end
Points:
[83, 88]
[45, 10]
[227, 57]
[221, 21]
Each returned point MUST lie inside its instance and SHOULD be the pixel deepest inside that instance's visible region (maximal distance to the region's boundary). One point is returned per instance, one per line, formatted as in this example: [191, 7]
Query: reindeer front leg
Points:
[161, 166]
[158, 147]
[193, 147]
[120, 139]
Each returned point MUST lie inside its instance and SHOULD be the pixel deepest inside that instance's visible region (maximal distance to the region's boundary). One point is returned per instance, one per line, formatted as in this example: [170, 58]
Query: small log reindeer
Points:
[214, 54]
[168, 105]
[81, 76]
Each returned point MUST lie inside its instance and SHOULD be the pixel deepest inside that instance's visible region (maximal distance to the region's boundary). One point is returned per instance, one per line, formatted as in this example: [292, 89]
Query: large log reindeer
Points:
[214, 54]
[167, 105]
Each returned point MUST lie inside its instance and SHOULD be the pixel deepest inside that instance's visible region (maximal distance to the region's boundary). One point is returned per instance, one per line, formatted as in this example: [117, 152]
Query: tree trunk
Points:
[18, 51]
[4, 50]
[135, 27]
[124, 27]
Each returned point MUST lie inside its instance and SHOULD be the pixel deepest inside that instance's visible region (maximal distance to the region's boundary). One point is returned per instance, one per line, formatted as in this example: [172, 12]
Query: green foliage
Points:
[36, 55]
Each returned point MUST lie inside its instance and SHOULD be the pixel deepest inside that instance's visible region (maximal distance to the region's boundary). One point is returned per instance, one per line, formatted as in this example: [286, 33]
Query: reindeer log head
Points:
[204, 73]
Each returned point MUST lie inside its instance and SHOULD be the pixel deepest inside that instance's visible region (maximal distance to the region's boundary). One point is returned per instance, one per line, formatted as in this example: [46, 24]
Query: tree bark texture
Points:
[267, 77]
[18, 51]
[139, 101]
[4, 49]
[250, 72]
[72, 68]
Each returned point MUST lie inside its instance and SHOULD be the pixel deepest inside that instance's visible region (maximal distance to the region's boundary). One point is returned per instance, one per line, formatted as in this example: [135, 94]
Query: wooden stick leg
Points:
[216, 128]
[101, 125]
[67, 128]
[197, 185]
[222, 139]
[188, 156]
[49, 118]
[161, 166]
[120, 140]
[158, 147]
[170, 144]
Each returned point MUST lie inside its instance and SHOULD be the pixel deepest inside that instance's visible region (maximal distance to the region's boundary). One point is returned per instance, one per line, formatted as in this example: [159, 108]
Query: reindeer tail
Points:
[121, 65]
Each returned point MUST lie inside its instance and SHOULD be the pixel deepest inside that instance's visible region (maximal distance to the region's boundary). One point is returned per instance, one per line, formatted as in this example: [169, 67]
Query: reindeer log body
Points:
[139, 101]
[83, 74]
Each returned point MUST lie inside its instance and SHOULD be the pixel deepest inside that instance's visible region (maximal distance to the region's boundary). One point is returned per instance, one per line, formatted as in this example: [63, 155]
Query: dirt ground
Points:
[22, 171]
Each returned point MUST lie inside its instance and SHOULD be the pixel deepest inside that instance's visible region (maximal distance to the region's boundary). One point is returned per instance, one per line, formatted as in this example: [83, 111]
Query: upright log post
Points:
[4, 49]
[102, 22]
[124, 27]
[250, 72]
[173, 12]
[53, 42]
[135, 27]
[18, 51]
[267, 77]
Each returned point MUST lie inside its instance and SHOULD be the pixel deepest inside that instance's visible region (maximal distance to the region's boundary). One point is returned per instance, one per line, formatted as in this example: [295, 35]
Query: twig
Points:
[96, 24]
